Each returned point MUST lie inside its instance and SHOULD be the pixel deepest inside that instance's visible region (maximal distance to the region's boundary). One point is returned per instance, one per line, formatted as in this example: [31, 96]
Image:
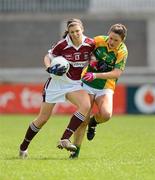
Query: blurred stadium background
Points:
[28, 28]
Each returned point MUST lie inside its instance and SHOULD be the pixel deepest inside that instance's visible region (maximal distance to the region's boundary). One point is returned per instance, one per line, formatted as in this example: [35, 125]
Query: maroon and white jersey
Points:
[78, 57]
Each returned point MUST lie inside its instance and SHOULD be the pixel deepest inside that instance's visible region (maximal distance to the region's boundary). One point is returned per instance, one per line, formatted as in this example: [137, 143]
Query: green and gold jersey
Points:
[115, 58]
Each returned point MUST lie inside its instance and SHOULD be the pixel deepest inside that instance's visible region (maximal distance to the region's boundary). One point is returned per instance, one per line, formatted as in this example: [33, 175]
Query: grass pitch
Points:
[123, 149]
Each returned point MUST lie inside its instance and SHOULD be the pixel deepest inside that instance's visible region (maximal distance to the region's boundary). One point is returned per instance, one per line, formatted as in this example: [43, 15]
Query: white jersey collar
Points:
[70, 43]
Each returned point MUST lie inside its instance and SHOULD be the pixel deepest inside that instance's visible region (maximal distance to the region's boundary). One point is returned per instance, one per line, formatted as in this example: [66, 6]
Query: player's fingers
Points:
[85, 77]
[57, 65]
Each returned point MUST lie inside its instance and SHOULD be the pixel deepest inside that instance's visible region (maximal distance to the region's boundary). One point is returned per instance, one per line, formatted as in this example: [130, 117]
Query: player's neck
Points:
[77, 43]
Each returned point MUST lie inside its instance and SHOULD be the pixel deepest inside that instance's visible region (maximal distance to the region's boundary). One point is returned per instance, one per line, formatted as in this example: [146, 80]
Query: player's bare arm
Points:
[114, 74]
[47, 61]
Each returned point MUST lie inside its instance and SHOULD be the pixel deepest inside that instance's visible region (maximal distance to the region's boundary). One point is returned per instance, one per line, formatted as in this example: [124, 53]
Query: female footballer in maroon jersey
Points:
[77, 49]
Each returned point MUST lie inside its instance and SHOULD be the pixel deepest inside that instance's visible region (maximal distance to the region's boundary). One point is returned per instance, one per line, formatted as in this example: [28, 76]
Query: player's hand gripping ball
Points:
[59, 66]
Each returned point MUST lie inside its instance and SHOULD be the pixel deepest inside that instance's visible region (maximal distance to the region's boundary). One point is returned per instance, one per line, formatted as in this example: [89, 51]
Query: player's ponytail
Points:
[65, 34]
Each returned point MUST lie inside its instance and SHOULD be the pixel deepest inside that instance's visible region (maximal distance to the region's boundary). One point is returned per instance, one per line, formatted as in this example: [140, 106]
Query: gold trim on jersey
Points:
[110, 84]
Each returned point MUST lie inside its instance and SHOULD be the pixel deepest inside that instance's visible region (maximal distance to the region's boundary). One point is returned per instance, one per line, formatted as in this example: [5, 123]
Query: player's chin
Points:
[78, 37]
[111, 46]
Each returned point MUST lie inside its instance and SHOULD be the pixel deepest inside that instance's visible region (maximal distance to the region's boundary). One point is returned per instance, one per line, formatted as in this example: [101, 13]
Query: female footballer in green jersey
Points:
[100, 77]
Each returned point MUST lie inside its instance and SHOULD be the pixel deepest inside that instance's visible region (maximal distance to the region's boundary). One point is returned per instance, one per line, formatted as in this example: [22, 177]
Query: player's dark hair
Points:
[119, 29]
[72, 22]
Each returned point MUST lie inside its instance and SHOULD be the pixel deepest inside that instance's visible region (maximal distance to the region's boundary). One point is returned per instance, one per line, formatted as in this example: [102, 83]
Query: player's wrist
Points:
[94, 75]
[47, 67]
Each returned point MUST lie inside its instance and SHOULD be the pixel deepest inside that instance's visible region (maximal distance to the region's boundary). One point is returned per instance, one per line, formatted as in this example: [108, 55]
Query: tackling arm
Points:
[114, 74]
